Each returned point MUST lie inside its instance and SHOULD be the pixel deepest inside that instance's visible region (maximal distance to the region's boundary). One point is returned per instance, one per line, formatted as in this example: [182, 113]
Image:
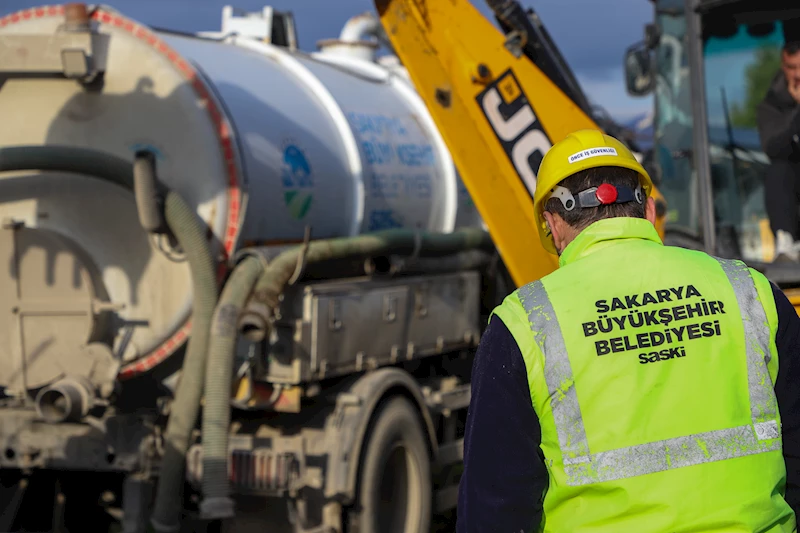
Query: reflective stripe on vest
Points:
[582, 467]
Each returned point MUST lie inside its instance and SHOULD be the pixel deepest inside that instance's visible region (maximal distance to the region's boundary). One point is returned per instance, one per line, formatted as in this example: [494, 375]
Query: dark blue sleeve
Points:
[787, 390]
[504, 478]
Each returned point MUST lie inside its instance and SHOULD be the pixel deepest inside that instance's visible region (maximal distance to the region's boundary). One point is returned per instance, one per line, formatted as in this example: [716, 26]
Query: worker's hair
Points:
[594, 177]
[791, 47]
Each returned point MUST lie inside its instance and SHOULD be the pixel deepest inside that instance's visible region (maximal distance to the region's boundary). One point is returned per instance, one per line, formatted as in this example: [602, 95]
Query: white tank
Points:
[261, 140]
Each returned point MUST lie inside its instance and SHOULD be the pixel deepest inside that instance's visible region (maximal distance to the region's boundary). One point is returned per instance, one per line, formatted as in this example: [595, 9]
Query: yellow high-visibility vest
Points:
[652, 370]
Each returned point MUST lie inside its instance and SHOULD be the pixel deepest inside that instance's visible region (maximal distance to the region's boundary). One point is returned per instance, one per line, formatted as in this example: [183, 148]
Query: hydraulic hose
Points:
[510, 13]
[190, 233]
[216, 502]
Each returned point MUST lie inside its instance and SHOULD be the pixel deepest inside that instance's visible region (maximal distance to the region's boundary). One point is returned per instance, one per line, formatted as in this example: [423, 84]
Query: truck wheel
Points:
[394, 494]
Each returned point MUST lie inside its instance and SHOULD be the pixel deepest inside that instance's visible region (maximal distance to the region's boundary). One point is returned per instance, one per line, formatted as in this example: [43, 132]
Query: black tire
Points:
[394, 481]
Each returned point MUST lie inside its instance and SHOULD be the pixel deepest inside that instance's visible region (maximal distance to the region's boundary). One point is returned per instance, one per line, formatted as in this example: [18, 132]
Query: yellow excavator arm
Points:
[497, 111]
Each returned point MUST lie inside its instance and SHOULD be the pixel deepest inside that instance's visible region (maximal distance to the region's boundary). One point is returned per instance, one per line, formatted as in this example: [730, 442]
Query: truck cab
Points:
[713, 59]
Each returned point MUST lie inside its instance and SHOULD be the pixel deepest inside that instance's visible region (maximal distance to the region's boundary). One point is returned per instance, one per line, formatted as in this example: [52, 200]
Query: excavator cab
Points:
[713, 59]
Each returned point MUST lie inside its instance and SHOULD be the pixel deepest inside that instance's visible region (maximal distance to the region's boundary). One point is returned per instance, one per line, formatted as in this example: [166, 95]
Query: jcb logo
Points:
[512, 118]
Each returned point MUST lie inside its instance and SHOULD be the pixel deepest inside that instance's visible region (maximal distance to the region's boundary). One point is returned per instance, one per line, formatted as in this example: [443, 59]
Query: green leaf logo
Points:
[298, 203]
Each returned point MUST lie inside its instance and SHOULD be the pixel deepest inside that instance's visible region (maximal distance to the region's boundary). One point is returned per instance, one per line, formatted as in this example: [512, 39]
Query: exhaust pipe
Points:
[68, 400]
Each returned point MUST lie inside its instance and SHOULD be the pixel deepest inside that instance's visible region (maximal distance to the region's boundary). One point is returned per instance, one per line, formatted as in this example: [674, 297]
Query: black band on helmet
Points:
[590, 198]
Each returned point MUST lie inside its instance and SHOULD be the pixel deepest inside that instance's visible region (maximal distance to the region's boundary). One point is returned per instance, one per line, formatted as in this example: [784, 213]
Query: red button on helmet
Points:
[606, 193]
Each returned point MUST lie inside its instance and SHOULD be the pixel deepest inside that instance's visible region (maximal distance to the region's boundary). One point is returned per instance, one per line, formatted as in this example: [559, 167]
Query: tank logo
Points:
[297, 181]
[513, 121]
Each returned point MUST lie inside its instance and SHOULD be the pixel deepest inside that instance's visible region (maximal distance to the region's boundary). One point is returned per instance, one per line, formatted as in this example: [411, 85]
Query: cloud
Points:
[607, 89]
[591, 35]
[315, 19]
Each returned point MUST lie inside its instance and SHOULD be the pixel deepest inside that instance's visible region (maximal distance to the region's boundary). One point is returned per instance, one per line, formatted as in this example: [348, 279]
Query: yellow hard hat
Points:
[578, 151]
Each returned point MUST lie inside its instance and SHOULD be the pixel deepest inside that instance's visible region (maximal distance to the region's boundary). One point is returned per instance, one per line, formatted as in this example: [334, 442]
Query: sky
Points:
[591, 35]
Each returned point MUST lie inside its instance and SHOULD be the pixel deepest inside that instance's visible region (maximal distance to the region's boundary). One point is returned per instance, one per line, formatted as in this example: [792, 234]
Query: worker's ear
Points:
[556, 229]
[650, 210]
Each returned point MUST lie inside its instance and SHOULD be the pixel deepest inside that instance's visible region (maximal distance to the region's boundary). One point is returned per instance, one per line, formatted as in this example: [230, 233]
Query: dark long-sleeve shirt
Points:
[778, 120]
[504, 479]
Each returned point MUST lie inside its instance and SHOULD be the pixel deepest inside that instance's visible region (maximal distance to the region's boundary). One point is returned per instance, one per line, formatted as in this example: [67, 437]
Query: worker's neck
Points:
[604, 233]
[563, 233]
[567, 235]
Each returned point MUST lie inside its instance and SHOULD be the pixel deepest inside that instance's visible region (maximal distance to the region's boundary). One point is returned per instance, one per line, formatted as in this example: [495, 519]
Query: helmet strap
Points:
[605, 194]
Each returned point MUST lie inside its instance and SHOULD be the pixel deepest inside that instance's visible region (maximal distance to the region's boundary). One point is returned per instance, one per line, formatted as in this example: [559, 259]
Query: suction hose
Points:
[393, 241]
[190, 233]
[184, 408]
[216, 502]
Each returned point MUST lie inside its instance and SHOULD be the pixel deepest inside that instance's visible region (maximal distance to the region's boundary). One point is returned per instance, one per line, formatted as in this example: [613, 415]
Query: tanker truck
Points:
[241, 283]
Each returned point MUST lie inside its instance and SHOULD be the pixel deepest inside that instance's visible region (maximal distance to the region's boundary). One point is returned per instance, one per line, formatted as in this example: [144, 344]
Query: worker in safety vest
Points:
[639, 387]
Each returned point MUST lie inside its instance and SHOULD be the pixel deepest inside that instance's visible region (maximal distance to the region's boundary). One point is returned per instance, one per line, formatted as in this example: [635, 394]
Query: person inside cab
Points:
[778, 120]
[636, 387]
